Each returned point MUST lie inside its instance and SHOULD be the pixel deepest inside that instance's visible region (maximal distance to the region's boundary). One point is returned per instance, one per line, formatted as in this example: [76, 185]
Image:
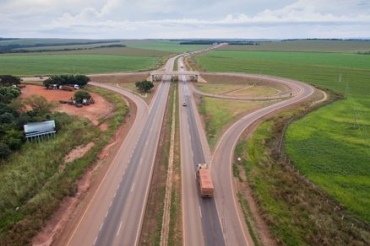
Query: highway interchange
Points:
[115, 213]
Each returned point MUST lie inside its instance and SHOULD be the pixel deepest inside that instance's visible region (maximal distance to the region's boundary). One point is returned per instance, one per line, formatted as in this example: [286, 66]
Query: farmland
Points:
[330, 146]
[85, 56]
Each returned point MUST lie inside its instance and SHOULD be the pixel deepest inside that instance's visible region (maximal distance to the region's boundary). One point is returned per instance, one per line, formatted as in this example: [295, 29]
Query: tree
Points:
[81, 80]
[7, 94]
[40, 106]
[144, 86]
[78, 79]
[80, 95]
[9, 80]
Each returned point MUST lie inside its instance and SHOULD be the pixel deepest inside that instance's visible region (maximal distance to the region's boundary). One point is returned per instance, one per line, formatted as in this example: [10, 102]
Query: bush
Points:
[80, 95]
[7, 94]
[144, 86]
[4, 150]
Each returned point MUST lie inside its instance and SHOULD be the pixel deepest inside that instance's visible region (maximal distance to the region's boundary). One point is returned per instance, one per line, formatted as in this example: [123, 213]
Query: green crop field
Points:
[339, 46]
[163, 45]
[332, 145]
[62, 63]
[59, 56]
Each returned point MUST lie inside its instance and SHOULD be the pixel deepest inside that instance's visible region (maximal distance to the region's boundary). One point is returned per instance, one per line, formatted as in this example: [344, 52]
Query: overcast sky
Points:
[131, 19]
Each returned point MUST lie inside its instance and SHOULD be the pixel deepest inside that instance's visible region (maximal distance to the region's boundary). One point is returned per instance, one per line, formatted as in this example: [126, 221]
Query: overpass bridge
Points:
[165, 74]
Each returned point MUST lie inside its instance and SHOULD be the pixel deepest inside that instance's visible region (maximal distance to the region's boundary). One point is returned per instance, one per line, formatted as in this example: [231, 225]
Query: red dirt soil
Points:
[100, 109]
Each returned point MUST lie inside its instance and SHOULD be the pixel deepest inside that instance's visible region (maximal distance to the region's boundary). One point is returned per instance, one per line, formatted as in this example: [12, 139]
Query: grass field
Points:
[238, 90]
[71, 63]
[220, 113]
[136, 56]
[332, 145]
[338, 46]
[162, 45]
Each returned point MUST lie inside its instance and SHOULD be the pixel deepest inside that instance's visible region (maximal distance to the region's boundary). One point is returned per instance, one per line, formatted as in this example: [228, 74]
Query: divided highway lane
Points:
[235, 232]
[114, 215]
[123, 223]
[201, 222]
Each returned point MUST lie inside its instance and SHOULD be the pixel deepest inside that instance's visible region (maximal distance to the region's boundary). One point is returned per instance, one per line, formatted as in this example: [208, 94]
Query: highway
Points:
[200, 218]
[222, 222]
[235, 232]
[114, 215]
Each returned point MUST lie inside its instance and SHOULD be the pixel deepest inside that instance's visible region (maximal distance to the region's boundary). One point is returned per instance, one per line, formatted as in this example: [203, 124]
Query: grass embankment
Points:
[296, 211]
[331, 147]
[34, 182]
[218, 114]
[152, 223]
[175, 224]
[175, 230]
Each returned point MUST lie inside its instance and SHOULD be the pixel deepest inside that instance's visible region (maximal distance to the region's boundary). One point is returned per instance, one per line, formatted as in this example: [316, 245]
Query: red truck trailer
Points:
[205, 181]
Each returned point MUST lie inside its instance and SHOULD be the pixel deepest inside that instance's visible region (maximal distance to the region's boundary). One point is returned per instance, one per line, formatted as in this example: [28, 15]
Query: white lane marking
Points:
[119, 228]
[132, 188]
[200, 212]
[101, 226]
[95, 240]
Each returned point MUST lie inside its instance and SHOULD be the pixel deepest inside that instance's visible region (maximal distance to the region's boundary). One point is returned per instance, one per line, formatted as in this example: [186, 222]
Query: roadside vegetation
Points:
[317, 194]
[217, 113]
[334, 143]
[175, 236]
[296, 211]
[35, 181]
[153, 218]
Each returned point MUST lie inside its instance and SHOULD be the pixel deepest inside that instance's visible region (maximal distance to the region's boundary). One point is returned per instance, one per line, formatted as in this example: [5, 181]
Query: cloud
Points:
[173, 18]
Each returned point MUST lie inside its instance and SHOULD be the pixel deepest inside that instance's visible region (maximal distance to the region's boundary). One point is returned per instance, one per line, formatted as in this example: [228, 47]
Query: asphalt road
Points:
[114, 215]
[234, 228]
[200, 218]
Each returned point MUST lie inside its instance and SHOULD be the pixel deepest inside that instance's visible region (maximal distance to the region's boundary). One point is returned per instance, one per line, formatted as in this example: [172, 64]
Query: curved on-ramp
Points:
[230, 215]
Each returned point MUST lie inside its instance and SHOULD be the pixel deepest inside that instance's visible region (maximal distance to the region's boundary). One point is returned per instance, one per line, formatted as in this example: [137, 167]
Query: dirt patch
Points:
[95, 112]
[78, 152]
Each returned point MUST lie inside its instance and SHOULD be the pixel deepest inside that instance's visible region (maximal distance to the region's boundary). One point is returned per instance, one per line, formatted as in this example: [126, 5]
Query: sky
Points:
[175, 19]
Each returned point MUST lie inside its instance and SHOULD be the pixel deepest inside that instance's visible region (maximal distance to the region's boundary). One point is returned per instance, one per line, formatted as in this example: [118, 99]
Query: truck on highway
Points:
[204, 180]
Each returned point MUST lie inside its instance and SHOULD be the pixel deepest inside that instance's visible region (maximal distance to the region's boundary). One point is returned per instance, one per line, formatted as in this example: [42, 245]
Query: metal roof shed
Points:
[39, 130]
